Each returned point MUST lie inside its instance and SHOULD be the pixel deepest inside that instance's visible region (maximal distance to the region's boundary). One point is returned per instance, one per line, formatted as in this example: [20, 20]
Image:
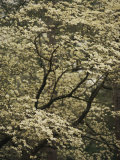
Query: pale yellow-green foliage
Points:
[86, 39]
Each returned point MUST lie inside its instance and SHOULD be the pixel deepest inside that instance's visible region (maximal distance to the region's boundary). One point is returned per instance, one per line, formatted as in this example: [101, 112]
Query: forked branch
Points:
[69, 95]
[89, 102]
[45, 79]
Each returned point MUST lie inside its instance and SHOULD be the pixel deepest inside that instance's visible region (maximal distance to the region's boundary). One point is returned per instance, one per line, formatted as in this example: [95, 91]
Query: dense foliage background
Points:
[59, 80]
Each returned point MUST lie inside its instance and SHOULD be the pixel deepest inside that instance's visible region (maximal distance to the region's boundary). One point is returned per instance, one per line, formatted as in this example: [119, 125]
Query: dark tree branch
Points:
[56, 82]
[45, 79]
[107, 87]
[66, 95]
[103, 140]
[89, 103]
[78, 98]
[36, 46]
[40, 90]
[40, 55]
[75, 69]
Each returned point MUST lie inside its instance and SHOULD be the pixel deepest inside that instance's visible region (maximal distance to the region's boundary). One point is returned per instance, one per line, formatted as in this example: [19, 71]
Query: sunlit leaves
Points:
[84, 35]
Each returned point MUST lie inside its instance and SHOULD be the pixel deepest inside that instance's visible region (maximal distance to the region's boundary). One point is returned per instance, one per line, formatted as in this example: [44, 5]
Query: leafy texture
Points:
[59, 64]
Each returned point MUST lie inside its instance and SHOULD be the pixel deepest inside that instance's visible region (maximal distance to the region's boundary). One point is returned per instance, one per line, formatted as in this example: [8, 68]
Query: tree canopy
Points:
[59, 64]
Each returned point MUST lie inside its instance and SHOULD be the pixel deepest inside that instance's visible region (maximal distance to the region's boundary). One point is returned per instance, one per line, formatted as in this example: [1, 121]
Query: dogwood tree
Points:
[57, 58]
